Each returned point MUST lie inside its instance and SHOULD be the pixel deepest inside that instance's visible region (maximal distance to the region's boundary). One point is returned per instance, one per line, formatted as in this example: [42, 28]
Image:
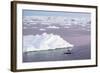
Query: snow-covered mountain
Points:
[44, 42]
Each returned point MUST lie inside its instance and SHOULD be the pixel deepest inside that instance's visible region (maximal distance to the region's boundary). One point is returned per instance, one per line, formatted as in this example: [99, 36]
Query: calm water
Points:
[78, 53]
[80, 39]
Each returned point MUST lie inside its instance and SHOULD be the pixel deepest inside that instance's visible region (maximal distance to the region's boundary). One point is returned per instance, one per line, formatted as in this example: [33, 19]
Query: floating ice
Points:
[42, 29]
[24, 27]
[55, 27]
[44, 42]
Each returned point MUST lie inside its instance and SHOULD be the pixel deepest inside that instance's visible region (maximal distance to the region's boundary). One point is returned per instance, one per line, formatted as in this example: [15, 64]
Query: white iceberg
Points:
[44, 42]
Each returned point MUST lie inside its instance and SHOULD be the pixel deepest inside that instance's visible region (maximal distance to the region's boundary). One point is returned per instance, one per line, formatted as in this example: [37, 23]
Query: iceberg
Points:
[44, 42]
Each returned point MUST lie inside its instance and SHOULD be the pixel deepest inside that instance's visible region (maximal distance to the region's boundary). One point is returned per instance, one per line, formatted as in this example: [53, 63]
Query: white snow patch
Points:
[44, 42]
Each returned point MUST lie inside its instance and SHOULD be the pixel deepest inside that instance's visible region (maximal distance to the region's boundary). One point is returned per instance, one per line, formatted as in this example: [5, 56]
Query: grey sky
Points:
[56, 13]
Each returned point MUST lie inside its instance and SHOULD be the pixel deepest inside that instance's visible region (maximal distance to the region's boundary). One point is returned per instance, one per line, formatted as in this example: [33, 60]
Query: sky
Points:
[56, 13]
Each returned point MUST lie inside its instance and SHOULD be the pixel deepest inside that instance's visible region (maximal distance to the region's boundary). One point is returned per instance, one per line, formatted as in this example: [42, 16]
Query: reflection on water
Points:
[78, 53]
